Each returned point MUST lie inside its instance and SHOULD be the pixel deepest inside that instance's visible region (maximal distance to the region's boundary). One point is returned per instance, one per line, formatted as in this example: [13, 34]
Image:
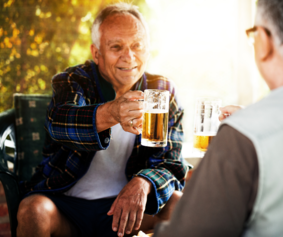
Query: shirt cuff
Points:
[103, 138]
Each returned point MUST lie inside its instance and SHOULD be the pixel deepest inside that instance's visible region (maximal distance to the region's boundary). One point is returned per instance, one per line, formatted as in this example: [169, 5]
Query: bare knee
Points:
[35, 212]
[173, 200]
[176, 196]
[166, 212]
[39, 216]
[35, 206]
[149, 221]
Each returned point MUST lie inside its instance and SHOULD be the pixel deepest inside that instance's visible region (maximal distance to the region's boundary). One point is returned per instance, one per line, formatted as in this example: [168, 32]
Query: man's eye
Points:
[115, 47]
[137, 46]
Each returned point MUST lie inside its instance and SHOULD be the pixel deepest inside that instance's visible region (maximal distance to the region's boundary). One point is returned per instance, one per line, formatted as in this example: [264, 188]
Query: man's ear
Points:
[94, 52]
[264, 44]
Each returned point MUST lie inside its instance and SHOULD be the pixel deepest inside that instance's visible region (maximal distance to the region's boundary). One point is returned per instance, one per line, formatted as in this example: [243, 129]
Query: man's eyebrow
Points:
[113, 41]
[119, 41]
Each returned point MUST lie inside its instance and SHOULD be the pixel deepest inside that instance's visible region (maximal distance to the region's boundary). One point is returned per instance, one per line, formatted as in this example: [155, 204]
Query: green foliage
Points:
[39, 38]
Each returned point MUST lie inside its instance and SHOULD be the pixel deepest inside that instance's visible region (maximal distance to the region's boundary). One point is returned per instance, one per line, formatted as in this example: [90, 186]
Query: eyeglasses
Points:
[252, 32]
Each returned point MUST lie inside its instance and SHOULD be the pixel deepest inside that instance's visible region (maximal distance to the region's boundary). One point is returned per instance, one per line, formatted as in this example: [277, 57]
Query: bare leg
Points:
[39, 216]
[149, 222]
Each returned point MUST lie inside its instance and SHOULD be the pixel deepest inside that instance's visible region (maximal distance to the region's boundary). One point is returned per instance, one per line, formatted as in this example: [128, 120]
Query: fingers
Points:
[134, 130]
[134, 95]
[139, 219]
[116, 219]
[221, 117]
[127, 106]
[130, 206]
[139, 129]
[228, 110]
[136, 121]
[132, 122]
[111, 211]
[123, 223]
[131, 222]
[122, 106]
[129, 111]
[128, 221]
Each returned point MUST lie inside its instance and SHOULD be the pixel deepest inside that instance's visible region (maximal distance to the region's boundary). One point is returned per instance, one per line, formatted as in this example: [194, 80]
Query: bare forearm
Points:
[104, 118]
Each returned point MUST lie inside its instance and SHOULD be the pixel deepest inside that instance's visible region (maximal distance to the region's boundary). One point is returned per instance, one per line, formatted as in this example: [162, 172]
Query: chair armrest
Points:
[9, 180]
[7, 129]
[12, 193]
[7, 118]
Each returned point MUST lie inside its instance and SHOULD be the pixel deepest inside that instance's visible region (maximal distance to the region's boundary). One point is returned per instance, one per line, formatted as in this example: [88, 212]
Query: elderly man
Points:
[237, 189]
[95, 178]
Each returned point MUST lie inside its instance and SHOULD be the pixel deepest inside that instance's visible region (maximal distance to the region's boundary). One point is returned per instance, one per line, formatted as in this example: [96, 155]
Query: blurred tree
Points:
[39, 38]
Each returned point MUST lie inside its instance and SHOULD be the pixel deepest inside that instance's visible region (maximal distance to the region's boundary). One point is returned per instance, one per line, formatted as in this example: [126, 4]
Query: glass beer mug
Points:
[206, 122]
[155, 118]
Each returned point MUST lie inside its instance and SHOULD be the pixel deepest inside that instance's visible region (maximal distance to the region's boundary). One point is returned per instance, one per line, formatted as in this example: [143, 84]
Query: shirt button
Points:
[106, 140]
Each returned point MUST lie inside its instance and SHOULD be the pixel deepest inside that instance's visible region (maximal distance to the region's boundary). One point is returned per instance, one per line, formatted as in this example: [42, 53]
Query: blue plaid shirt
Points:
[72, 138]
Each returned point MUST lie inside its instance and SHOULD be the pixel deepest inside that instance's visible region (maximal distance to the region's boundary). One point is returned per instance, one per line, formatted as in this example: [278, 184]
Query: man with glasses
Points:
[237, 188]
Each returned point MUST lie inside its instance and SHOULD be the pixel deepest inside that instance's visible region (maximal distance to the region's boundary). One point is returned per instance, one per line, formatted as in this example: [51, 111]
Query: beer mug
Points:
[206, 122]
[155, 118]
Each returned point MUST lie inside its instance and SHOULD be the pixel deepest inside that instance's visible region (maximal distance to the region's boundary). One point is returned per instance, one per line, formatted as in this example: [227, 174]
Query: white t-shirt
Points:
[106, 175]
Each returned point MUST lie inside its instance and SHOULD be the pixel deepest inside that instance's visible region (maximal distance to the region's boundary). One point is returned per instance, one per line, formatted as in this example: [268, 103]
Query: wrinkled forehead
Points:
[123, 25]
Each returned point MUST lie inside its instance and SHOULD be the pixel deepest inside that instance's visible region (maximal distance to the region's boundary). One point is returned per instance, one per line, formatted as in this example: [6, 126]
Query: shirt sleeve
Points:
[71, 116]
[165, 168]
[218, 199]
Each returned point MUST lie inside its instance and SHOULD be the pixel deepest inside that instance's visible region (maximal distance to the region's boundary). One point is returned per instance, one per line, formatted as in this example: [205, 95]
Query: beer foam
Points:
[156, 111]
[205, 134]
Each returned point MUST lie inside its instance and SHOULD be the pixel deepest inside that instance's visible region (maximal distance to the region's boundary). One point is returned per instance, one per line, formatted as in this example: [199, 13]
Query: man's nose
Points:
[128, 55]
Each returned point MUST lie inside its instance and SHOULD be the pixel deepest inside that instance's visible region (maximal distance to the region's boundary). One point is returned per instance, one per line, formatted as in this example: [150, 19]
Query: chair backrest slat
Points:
[30, 134]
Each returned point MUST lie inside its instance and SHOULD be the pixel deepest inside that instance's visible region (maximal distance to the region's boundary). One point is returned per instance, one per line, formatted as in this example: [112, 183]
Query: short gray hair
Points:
[118, 8]
[271, 13]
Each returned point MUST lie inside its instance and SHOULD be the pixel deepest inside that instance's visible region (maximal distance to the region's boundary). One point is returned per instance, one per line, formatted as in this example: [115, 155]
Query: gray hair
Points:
[118, 8]
[270, 15]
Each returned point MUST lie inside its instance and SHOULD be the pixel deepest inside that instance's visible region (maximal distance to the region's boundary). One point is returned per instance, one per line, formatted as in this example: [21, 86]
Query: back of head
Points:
[118, 8]
[270, 15]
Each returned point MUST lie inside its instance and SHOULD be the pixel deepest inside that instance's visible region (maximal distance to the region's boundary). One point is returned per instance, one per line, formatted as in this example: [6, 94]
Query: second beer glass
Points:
[155, 118]
[206, 122]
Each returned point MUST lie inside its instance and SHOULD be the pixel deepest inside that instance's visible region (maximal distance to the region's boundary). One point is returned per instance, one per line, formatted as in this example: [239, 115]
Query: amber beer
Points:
[155, 128]
[202, 141]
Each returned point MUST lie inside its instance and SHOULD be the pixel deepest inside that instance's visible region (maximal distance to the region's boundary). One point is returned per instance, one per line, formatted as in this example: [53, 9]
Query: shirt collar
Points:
[106, 89]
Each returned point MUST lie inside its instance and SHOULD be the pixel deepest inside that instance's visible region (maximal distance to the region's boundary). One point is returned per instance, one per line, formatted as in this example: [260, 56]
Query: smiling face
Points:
[123, 51]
